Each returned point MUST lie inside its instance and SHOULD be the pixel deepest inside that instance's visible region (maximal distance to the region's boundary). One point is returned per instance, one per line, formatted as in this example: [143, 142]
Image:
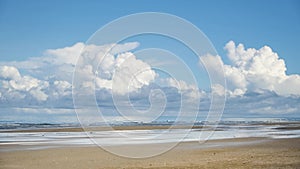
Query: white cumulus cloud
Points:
[9, 72]
[112, 67]
[256, 78]
[255, 70]
[13, 84]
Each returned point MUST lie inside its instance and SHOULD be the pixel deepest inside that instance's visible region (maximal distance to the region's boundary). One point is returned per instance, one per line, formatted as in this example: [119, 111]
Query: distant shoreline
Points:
[83, 129]
[294, 125]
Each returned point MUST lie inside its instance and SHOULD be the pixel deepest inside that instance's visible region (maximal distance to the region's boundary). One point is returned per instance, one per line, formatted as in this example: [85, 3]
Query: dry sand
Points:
[262, 153]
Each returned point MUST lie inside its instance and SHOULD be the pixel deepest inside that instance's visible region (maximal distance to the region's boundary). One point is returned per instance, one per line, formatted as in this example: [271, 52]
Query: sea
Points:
[29, 136]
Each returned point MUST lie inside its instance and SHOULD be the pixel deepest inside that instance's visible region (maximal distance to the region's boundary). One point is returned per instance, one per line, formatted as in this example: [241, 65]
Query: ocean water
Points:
[10, 141]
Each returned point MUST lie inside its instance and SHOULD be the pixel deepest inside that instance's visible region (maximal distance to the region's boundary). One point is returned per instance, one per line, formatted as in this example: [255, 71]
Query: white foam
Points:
[123, 137]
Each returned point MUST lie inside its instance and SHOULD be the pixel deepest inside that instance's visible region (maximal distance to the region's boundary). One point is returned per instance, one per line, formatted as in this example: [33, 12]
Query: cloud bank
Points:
[257, 83]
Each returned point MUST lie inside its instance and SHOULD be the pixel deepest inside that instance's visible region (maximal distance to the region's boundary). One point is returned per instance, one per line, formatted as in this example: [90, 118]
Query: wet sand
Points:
[240, 153]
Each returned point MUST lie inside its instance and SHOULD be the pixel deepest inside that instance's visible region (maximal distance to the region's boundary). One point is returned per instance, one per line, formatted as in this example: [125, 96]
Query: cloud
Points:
[263, 69]
[131, 74]
[257, 83]
[255, 70]
[15, 86]
[189, 91]
[117, 48]
[67, 55]
[266, 104]
[235, 80]
[113, 68]
[61, 88]
[47, 80]
[9, 72]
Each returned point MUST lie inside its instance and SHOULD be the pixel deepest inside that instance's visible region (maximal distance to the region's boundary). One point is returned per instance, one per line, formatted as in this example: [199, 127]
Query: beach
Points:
[255, 153]
[149, 84]
[232, 145]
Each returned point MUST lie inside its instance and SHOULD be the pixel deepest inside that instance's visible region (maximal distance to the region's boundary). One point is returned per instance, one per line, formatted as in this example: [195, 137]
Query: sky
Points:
[256, 41]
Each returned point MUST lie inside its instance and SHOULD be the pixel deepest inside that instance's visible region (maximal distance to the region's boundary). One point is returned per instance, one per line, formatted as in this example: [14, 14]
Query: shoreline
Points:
[255, 153]
[228, 142]
[100, 128]
[295, 125]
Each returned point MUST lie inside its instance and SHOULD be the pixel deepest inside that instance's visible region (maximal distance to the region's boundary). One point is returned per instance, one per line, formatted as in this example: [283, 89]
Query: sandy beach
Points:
[254, 153]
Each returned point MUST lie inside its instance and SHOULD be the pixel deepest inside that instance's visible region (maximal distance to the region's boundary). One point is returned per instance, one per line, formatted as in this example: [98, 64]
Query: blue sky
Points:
[30, 27]
[35, 79]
